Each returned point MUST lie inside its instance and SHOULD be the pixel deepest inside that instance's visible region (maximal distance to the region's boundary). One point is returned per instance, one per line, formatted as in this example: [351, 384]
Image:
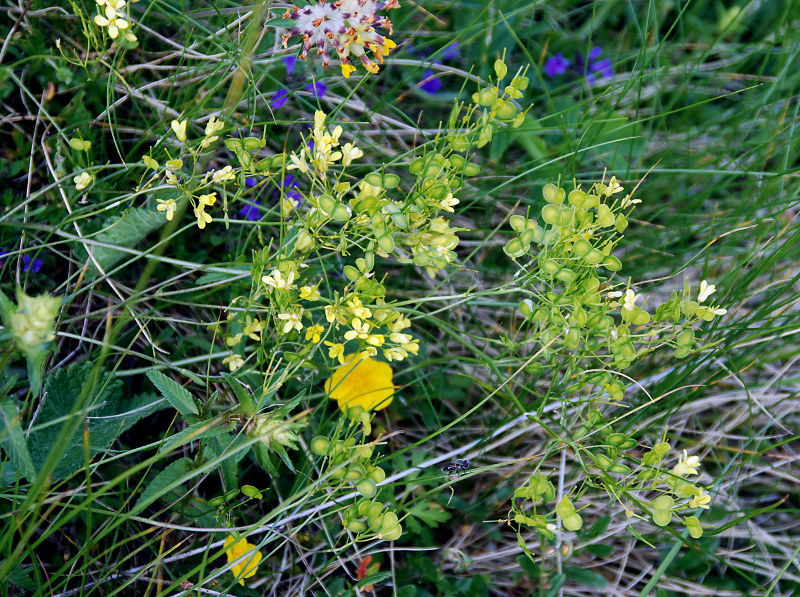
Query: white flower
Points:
[448, 203]
[706, 290]
[629, 302]
[298, 162]
[614, 294]
[292, 320]
[276, 280]
[717, 310]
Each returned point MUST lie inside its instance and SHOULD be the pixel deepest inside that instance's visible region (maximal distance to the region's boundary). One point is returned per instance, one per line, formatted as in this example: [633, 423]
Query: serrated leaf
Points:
[125, 231]
[178, 396]
[12, 439]
[61, 390]
[163, 482]
[430, 513]
[20, 577]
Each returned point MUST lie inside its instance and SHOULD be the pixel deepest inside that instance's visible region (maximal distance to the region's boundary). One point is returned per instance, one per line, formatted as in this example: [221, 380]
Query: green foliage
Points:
[180, 398]
[12, 440]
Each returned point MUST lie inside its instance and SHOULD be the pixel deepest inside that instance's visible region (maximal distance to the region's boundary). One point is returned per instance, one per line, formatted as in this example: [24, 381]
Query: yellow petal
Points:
[361, 382]
[347, 70]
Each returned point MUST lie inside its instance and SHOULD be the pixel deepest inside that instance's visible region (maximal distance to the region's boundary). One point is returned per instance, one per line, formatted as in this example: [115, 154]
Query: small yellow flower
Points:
[83, 180]
[224, 175]
[687, 465]
[347, 70]
[314, 333]
[336, 351]
[253, 328]
[361, 382]
[207, 200]
[202, 217]
[179, 127]
[233, 361]
[240, 551]
[171, 178]
[700, 501]
[167, 205]
[360, 330]
[175, 164]
[310, 293]
[358, 309]
[349, 153]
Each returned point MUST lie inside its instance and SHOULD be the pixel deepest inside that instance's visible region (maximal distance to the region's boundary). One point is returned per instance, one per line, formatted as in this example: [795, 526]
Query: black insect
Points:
[456, 467]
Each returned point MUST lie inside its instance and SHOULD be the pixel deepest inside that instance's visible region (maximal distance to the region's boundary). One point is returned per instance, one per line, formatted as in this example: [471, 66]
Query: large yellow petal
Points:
[361, 382]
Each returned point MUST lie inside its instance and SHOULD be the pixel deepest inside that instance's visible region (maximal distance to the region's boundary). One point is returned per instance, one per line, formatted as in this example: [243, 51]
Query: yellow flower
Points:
[207, 200]
[83, 180]
[314, 333]
[347, 70]
[700, 501]
[233, 361]
[361, 382]
[336, 351]
[241, 550]
[310, 293]
[202, 217]
[223, 175]
[167, 205]
[180, 129]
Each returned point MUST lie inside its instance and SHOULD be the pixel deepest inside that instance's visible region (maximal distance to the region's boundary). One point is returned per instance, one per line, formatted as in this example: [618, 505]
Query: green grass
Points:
[702, 108]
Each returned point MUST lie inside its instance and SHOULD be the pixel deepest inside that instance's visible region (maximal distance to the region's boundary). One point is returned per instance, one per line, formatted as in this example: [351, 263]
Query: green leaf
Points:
[430, 513]
[20, 577]
[164, 482]
[178, 396]
[101, 413]
[373, 579]
[125, 231]
[530, 567]
[587, 577]
[12, 439]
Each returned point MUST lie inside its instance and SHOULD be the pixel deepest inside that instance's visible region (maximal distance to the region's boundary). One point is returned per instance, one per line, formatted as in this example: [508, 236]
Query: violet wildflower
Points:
[556, 65]
[28, 265]
[279, 98]
[250, 211]
[430, 83]
[598, 69]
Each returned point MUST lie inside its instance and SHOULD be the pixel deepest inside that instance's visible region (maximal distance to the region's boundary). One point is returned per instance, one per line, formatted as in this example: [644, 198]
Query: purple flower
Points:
[602, 68]
[289, 62]
[451, 52]
[279, 98]
[250, 182]
[28, 265]
[318, 88]
[250, 211]
[556, 65]
[429, 83]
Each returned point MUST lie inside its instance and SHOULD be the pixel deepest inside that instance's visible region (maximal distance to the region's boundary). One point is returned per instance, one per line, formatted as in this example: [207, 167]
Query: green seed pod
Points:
[472, 170]
[566, 276]
[319, 445]
[550, 266]
[573, 522]
[573, 336]
[551, 214]
[500, 68]
[327, 204]
[253, 143]
[457, 161]
[581, 246]
[341, 213]
[619, 469]
[594, 257]
[416, 165]
[377, 474]
[518, 223]
[693, 524]
[603, 461]
[519, 82]
[356, 526]
[367, 488]
[356, 472]
[351, 273]
[251, 492]
[604, 215]
[686, 338]
[612, 263]
[507, 111]
[514, 248]
[620, 223]
[553, 194]
[392, 534]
